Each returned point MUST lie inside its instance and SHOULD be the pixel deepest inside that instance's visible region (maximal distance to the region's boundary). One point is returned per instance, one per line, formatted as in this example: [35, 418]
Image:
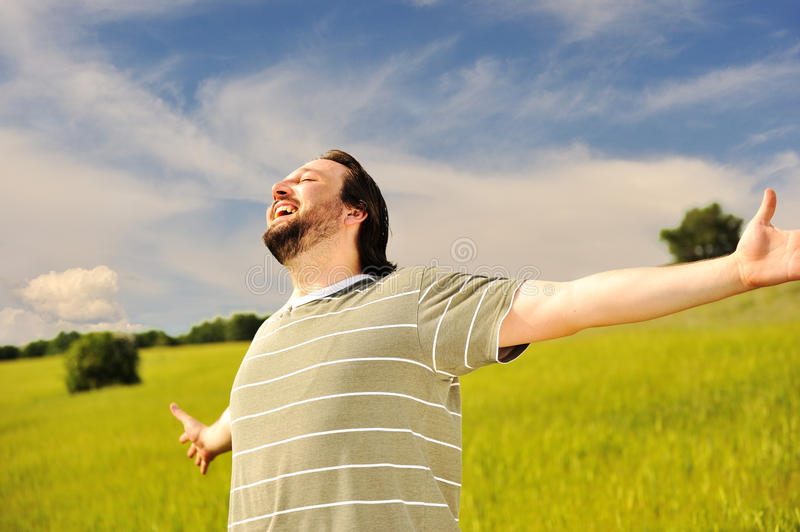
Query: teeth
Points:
[284, 210]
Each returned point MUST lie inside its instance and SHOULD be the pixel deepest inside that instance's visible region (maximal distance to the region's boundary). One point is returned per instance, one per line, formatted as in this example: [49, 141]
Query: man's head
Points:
[321, 200]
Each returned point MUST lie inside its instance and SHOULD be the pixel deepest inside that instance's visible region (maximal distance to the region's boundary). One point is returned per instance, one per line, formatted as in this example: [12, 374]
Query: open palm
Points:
[195, 432]
[767, 255]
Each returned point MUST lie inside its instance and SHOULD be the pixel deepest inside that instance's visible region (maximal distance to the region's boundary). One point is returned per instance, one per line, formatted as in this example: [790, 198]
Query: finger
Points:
[203, 467]
[183, 438]
[767, 209]
[182, 416]
[192, 450]
[197, 460]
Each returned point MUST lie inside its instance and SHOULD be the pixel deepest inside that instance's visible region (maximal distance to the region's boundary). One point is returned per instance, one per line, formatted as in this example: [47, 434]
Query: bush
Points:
[9, 352]
[152, 338]
[35, 349]
[99, 359]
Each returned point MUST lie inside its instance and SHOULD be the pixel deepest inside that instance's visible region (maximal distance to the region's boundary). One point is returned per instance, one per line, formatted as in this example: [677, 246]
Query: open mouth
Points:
[285, 210]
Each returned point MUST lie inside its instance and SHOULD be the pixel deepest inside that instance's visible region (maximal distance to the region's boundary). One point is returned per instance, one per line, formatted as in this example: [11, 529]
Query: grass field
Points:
[687, 423]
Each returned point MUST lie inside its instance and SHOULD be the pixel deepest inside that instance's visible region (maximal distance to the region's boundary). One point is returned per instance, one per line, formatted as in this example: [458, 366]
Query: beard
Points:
[286, 240]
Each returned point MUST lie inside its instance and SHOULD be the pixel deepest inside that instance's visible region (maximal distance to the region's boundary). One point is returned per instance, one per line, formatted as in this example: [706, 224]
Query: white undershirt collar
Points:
[295, 302]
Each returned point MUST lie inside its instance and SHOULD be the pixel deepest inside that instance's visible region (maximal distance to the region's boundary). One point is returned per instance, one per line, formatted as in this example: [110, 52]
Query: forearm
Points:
[218, 435]
[638, 294]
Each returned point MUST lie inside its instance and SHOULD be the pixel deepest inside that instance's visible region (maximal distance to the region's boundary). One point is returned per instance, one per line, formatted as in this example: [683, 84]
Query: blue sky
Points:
[140, 140]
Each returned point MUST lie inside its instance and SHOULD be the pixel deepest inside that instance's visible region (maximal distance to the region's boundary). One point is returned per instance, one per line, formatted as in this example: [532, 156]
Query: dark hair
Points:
[359, 190]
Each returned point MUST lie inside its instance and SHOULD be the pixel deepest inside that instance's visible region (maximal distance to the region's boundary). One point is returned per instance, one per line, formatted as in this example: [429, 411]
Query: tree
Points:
[242, 327]
[9, 352]
[703, 234]
[61, 343]
[99, 359]
[208, 331]
[239, 327]
[35, 349]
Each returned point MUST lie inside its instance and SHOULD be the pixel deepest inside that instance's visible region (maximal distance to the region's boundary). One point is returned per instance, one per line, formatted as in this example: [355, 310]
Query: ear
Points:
[354, 216]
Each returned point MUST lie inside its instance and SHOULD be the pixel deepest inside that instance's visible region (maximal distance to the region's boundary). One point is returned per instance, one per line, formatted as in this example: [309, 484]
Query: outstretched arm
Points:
[765, 256]
[207, 442]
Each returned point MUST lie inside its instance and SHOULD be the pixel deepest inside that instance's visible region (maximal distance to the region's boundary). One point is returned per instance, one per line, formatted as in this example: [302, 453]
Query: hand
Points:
[767, 255]
[197, 433]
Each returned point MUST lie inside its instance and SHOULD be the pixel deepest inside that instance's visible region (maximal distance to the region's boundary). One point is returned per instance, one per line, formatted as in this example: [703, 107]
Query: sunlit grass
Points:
[110, 459]
[686, 423]
[638, 430]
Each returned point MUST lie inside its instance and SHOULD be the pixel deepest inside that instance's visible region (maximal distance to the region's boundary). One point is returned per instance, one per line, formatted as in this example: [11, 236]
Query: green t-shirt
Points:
[346, 411]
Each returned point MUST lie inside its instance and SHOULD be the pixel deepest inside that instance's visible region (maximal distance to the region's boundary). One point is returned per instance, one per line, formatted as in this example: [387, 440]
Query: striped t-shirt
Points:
[346, 412]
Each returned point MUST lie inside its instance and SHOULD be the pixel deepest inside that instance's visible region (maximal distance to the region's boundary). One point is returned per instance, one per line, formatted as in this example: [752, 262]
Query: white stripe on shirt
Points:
[438, 325]
[342, 361]
[341, 503]
[413, 325]
[426, 291]
[257, 338]
[328, 290]
[349, 394]
[373, 286]
[343, 431]
[334, 468]
[448, 481]
[469, 333]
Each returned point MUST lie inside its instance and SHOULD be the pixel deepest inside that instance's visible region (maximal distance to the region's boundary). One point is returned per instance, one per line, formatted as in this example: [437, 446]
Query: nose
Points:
[279, 190]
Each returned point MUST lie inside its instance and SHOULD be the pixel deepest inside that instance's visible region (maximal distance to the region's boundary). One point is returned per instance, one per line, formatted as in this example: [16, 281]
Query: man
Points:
[345, 412]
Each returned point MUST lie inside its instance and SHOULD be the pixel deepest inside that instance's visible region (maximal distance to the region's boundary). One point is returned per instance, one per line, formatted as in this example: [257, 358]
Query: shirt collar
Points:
[295, 302]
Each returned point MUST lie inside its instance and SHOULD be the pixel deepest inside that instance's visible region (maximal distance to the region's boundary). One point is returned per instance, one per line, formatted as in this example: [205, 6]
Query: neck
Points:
[326, 264]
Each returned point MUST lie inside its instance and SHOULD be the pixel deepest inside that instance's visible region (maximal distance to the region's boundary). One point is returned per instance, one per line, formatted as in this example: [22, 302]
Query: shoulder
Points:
[401, 280]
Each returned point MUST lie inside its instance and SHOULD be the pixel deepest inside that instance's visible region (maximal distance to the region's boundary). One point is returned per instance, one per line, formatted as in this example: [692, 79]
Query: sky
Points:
[544, 138]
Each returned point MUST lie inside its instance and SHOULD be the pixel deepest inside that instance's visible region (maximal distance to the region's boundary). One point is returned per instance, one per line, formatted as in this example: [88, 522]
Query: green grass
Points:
[110, 459]
[686, 423]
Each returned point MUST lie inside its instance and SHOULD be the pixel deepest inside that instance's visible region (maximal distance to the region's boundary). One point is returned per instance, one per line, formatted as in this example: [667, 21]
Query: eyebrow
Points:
[307, 169]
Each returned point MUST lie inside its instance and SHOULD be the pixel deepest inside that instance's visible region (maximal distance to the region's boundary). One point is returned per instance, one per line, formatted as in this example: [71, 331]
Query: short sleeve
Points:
[459, 317]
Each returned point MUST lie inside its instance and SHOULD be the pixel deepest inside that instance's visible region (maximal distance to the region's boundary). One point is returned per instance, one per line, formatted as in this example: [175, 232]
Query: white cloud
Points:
[94, 108]
[123, 9]
[77, 295]
[292, 111]
[726, 87]
[92, 158]
[66, 211]
[30, 27]
[783, 173]
[19, 326]
[469, 95]
[757, 139]
[76, 99]
[75, 299]
[42, 10]
[584, 19]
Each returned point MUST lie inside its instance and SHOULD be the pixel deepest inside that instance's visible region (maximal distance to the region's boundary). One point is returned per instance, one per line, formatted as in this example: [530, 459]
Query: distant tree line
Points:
[239, 327]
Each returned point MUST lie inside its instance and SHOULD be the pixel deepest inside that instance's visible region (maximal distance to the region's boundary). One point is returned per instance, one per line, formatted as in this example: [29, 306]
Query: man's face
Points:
[306, 209]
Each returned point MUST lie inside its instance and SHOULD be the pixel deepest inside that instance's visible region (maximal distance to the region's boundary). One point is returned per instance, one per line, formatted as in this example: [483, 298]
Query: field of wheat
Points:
[686, 423]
